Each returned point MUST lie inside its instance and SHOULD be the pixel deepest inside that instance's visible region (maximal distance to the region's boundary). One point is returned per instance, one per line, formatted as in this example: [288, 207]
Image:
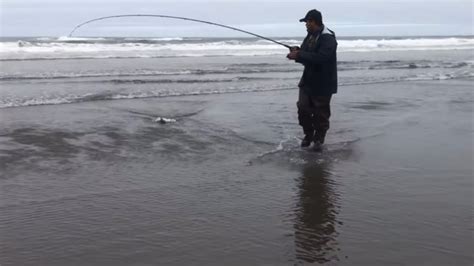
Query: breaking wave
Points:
[81, 48]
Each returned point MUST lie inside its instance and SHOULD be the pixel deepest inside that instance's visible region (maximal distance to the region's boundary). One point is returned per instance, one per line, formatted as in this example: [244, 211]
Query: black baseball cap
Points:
[314, 15]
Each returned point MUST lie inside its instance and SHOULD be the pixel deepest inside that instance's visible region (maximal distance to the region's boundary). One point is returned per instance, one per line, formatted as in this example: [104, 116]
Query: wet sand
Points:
[101, 183]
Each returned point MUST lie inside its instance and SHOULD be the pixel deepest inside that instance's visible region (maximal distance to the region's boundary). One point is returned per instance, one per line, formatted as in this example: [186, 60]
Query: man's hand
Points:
[293, 55]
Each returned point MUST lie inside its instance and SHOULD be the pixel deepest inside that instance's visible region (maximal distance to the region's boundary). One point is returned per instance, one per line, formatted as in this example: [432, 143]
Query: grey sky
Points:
[266, 17]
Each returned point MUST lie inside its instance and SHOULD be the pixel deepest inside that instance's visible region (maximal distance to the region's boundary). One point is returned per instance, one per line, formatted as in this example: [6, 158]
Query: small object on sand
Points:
[163, 120]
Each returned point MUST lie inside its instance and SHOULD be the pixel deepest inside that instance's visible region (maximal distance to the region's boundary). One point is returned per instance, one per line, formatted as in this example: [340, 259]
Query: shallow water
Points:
[99, 182]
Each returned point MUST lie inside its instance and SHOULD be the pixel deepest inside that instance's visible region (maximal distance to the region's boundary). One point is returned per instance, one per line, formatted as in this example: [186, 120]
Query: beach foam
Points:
[78, 47]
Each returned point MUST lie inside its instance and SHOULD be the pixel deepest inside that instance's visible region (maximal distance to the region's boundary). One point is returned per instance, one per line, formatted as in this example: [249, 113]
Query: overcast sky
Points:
[265, 17]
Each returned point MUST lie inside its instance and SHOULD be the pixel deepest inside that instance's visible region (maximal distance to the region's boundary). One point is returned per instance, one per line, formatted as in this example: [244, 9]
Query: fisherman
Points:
[319, 79]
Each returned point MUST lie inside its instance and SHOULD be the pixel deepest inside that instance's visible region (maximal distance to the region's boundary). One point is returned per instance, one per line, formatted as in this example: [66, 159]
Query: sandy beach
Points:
[101, 183]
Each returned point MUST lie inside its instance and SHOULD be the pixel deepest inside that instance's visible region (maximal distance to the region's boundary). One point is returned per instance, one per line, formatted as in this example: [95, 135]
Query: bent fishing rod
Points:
[181, 18]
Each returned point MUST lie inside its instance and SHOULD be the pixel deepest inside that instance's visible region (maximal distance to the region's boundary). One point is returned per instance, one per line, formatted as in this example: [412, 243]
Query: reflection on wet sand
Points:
[315, 216]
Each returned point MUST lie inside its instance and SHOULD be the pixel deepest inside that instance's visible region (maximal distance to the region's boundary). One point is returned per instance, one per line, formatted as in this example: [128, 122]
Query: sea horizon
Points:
[346, 37]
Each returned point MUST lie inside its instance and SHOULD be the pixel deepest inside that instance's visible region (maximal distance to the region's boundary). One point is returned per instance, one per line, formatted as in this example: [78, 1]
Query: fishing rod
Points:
[182, 18]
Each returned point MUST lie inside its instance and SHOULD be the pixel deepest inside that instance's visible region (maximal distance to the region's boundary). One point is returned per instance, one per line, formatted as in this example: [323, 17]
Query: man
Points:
[319, 80]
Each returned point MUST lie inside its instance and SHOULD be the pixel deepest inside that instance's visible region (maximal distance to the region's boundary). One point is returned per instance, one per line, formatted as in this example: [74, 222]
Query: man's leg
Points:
[320, 120]
[305, 117]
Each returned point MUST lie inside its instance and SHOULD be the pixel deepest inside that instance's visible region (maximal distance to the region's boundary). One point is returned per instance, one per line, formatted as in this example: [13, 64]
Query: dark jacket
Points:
[318, 55]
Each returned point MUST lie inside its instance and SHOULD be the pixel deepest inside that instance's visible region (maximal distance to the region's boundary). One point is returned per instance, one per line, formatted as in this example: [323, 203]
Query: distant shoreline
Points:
[343, 37]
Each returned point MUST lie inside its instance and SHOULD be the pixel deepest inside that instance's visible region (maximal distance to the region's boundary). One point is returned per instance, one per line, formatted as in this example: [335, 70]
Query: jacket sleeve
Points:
[327, 48]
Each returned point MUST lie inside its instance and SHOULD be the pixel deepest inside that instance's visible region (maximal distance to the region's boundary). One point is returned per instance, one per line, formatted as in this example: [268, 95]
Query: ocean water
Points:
[118, 68]
[185, 151]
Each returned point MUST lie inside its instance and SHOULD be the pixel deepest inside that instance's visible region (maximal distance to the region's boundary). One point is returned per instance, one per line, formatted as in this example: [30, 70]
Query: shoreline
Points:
[205, 94]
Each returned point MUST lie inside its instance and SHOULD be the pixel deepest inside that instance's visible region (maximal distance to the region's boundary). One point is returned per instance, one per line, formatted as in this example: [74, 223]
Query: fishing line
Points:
[182, 18]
